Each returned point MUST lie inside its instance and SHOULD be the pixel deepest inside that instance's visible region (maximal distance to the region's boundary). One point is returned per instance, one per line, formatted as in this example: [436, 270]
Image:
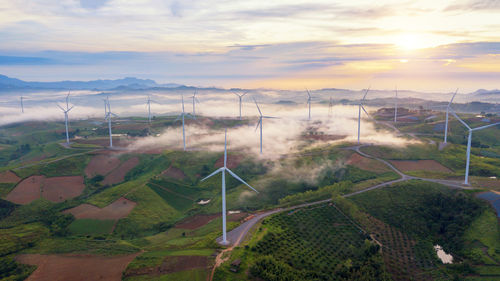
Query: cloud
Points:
[93, 4]
[475, 5]
[13, 60]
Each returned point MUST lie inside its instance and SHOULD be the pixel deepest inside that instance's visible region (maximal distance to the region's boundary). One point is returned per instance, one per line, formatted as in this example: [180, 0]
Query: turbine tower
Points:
[223, 172]
[195, 100]
[359, 112]
[22, 104]
[469, 140]
[149, 108]
[260, 123]
[182, 116]
[240, 97]
[309, 103]
[66, 116]
[447, 113]
[108, 117]
[396, 107]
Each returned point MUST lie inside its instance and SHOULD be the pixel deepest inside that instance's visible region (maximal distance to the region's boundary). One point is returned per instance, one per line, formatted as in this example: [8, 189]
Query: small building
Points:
[235, 265]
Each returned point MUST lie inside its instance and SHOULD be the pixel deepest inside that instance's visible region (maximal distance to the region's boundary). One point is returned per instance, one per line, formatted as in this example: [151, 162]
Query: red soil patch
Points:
[420, 165]
[26, 191]
[323, 137]
[58, 189]
[9, 177]
[118, 175]
[76, 267]
[366, 163]
[101, 164]
[121, 142]
[171, 264]
[114, 211]
[174, 172]
[232, 161]
[196, 221]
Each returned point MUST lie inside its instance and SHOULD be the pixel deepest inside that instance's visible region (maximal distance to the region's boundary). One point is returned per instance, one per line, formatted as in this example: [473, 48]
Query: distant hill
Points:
[8, 83]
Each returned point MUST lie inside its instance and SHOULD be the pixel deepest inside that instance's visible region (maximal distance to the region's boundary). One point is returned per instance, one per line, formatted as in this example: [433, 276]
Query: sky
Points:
[417, 45]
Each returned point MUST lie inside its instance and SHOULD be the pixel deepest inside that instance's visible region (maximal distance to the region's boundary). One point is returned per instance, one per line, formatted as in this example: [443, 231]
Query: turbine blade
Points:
[60, 107]
[459, 119]
[258, 124]
[238, 178]
[309, 94]
[114, 114]
[452, 98]
[271, 117]
[362, 107]
[70, 108]
[366, 93]
[244, 94]
[486, 126]
[257, 107]
[212, 174]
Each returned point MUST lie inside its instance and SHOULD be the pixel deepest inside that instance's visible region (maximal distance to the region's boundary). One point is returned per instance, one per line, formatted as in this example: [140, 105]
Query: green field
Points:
[91, 227]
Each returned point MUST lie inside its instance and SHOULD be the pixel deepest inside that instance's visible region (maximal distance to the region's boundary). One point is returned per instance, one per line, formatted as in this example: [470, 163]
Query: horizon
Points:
[421, 46]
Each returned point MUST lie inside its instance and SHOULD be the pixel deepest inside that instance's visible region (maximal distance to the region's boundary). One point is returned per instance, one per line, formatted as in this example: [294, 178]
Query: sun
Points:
[411, 42]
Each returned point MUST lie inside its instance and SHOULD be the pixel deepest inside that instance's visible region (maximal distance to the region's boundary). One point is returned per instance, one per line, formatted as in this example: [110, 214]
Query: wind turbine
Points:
[396, 107]
[149, 108]
[181, 116]
[359, 112]
[260, 123]
[22, 104]
[195, 100]
[309, 103]
[240, 97]
[469, 140]
[108, 117]
[106, 100]
[330, 107]
[223, 172]
[448, 107]
[66, 116]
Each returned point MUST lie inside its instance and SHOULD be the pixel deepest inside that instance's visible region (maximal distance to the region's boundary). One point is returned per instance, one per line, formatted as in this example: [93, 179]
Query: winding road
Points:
[236, 235]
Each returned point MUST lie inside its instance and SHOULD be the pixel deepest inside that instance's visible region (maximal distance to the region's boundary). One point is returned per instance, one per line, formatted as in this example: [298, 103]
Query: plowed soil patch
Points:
[26, 191]
[324, 137]
[114, 211]
[171, 264]
[366, 163]
[76, 267]
[232, 161]
[118, 175]
[101, 165]
[105, 142]
[196, 221]
[58, 189]
[9, 177]
[420, 165]
[174, 172]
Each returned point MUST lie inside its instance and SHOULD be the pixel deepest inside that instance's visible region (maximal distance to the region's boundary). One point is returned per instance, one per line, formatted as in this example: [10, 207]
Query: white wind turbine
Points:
[448, 107]
[106, 100]
[469, 140]
[181, 116]
[66, 116]
[309, 103]
[108, 117]
[195, 100]
[240, 96]
[330, 107]
[22, 104]
[260, 123]
[396, 107]
[223, 172]
[359, 112]
[149, 108]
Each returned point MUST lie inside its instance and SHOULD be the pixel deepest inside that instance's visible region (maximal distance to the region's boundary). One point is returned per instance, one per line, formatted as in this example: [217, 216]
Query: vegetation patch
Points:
[91, 227]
